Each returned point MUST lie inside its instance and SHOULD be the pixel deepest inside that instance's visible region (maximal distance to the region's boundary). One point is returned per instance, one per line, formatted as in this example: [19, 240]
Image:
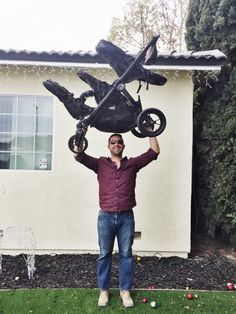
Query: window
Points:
[26, 127]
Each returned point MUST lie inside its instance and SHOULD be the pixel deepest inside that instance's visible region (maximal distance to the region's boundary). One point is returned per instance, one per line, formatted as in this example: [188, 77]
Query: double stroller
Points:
[116, 110]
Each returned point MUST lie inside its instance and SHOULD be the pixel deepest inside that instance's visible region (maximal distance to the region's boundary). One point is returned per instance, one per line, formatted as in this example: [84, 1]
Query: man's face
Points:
[116, 146]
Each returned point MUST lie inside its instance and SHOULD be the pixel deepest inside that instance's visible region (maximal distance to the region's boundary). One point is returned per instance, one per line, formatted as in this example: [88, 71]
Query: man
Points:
[116, 177]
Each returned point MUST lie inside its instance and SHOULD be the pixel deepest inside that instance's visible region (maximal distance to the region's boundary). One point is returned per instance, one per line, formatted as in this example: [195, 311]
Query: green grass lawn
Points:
[64, 301]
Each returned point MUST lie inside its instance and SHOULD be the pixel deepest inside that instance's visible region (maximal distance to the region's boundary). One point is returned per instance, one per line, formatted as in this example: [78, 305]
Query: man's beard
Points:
[117, 154]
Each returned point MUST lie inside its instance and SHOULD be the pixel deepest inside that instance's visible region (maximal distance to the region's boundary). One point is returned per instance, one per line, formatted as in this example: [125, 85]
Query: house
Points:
[49, 202]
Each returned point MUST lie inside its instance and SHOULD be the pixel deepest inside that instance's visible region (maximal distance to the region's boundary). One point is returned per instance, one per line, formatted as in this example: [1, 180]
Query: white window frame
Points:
[15, 152]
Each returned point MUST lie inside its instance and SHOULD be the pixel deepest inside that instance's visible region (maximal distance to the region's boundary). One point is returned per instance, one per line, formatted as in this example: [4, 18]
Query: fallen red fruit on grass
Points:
[144, 300]
[189, 296]
[230, 286]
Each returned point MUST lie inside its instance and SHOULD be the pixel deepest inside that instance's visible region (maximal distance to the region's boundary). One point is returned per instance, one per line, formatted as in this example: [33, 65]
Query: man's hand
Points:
[76, 150]
[154, 145]
[148, 128]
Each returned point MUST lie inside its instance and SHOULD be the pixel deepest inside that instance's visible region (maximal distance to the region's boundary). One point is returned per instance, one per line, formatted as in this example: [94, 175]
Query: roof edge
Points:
[210, 58]
[107, 66]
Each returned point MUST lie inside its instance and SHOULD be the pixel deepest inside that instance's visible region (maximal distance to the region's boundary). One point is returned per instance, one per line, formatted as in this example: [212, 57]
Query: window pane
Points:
[7, 104]
[7, 123]
[7, 161]
[43, 162]
[25, 124]
[43, 124]
[43, 143]
[24, 161]
[25, 143]
[26, 105]
[7, 142]
[44, 105]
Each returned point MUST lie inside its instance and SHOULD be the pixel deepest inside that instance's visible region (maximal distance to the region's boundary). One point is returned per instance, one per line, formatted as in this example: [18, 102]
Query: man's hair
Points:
[115, 134]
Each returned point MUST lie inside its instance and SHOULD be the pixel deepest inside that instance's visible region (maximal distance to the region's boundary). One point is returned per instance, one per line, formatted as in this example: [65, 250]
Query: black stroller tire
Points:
[157, 124]
[137, 133]
[82, 147]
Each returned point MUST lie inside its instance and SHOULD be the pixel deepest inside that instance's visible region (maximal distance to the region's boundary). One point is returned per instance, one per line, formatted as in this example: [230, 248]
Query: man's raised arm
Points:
[154, 145]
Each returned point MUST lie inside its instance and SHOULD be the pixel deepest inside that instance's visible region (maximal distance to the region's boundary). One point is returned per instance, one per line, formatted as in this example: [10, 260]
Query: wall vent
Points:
[137, 235]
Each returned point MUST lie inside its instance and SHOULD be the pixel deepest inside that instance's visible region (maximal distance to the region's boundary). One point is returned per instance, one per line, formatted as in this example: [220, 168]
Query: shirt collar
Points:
[123, 159]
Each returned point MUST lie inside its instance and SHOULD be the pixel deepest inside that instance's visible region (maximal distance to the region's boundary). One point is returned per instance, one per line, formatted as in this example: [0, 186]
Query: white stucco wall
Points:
[60, 206]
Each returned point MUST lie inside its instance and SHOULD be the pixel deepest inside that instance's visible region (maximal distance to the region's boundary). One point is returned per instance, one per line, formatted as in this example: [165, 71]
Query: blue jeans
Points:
[111, 225]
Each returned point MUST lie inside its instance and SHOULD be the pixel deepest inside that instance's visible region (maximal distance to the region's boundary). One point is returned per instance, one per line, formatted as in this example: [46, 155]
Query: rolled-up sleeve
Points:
[88, 161]
[144, 159]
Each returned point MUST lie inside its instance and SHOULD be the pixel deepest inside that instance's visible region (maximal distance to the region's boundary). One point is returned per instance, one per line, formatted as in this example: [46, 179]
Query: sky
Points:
[61, 25]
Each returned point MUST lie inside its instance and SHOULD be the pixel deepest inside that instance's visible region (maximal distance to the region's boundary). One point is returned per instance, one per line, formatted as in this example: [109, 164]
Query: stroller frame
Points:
[144, 120]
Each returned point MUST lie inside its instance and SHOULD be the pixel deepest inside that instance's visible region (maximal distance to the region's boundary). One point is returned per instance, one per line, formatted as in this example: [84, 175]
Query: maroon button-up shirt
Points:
[117, 185]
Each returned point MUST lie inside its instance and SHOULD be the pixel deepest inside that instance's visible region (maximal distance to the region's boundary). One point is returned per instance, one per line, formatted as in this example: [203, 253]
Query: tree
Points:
[145, 18]
[211, 24]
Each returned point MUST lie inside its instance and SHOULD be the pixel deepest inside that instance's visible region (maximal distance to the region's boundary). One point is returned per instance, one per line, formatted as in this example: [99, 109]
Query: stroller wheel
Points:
[137, 133]
[153, 118]
[81, 147]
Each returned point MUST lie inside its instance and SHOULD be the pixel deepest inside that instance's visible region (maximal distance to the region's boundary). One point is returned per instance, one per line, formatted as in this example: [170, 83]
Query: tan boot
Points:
[126, 299]
[103, 298]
